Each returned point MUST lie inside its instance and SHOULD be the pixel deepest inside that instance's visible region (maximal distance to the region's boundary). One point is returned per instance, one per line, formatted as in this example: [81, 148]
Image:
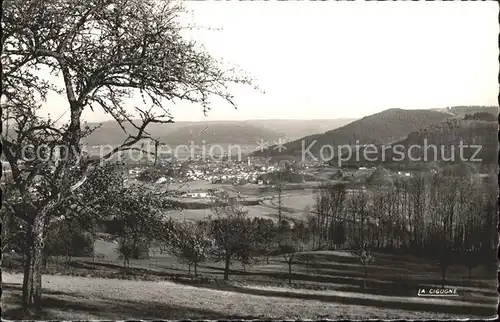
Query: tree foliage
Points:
[234, 233]
[191, 243]
[105, 52]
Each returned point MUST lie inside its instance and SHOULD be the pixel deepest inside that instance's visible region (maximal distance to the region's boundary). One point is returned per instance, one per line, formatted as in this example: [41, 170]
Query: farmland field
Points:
[202, 214]
[294, 201]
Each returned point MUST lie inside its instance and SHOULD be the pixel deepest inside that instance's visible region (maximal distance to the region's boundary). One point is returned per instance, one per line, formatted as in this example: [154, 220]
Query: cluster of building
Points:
[214, 171]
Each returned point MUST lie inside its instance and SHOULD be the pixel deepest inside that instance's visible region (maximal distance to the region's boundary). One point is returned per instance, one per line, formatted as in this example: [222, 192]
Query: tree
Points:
[366, 258]
[191, 243]
[141, 221]
[149, 175]
[471, 259]
[336, 202]
[235, 238]
[12, 232]
[279, 189]
[313, 225]
[330, 202]
[307, 257]
[321, 210]
[105, 51]
[358, 207]
[445, 258]
[339, 234]
[443, 205]
[302, 232]
[266, 231]
[66, 237]
[289, 245]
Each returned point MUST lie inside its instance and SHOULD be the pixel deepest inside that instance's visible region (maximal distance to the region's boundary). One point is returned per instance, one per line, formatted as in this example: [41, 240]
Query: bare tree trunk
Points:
[45, 259]
[364, 279]
[195, 269]
[290, 272]
[28, 273]
[32, 283]
[443, 275]
[226, 269]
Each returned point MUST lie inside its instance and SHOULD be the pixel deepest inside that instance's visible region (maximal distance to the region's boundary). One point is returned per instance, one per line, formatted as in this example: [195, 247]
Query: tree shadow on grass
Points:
[391, 284]
[17, 289]
[352, 266]
[138, 271]
[68, 305]
[487, 310]
[349, 277]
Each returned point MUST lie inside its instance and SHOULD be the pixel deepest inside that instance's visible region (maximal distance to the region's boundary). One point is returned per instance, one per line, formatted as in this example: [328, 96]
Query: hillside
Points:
[461, 111]
[452, 133]
[212, 132]
[185, 132]
[446, 137]
[223, 132]
[296, 129]
[387, 126]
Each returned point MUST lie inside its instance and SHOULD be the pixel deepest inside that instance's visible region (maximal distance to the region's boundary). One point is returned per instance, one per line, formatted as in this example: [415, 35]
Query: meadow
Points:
[326, 284]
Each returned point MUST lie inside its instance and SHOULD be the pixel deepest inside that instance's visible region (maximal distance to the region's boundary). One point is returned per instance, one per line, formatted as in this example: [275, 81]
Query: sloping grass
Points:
[331, 282]
[95, 298]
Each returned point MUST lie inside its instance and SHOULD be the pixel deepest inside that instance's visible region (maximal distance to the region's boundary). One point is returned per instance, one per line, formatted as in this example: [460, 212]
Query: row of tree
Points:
[446, 216]
[230, 236]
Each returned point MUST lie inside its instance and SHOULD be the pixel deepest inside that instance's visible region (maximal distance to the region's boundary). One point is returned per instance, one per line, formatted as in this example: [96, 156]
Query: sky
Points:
[332, 59]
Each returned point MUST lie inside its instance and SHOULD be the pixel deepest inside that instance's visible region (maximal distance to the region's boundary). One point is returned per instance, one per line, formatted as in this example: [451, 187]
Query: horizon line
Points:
[315, 119]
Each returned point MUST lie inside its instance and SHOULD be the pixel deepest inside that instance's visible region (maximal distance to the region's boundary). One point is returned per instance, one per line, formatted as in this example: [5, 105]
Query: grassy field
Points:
[95, 298]
[202, 214]
[329, 286]
[294, 201]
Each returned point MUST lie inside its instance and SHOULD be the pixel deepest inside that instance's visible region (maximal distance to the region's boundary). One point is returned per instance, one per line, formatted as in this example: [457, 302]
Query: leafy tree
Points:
[233, 232]
[66, 238]
[191, 243]
[105, 51]
[12, 232]
[149, 175]
[266, 230]
[141, 221]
